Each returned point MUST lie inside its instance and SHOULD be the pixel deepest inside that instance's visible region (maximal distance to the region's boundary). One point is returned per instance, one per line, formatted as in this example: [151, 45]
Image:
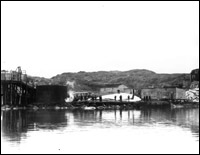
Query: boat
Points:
[101, 107]
[6, 107]
[176, 106]
[185, 105]
[89, 108]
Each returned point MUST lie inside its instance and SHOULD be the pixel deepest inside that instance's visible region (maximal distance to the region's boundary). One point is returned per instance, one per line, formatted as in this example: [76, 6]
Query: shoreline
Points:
[88, 105]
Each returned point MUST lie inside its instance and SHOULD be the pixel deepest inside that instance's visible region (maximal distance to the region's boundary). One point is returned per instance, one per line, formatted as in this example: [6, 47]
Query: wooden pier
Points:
[15, 90]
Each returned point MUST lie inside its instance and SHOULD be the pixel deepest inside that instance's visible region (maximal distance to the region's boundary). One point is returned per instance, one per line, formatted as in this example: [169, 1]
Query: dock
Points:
[15, 90]
[116, 104]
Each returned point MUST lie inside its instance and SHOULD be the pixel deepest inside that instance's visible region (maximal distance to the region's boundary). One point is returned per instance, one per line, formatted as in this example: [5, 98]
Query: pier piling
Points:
[14, 89]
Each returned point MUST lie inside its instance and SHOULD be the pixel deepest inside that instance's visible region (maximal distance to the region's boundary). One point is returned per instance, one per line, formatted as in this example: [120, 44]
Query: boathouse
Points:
[163, 93]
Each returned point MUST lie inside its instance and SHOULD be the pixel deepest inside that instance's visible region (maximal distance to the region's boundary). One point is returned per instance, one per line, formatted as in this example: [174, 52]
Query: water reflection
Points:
[15, 124]
[187, 119]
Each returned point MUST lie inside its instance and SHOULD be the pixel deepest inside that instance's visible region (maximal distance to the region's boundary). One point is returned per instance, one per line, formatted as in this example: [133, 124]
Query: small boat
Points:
[117, 107]
[100, 107]
[6, 107]
[57, 107]
[89, 108]
[15, 108]
[177, 106]
[184, 104]
[35, 108]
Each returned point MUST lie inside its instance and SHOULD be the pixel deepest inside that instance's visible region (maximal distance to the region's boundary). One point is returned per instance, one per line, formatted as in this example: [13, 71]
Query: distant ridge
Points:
[136, 78]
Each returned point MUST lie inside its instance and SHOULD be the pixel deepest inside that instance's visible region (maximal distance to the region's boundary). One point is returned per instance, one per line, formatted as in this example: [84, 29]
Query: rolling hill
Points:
[137, 79]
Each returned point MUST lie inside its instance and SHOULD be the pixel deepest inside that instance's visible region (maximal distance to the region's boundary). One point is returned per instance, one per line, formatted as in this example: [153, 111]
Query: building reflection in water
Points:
[187, 118]
[184, 118]
[15, 124]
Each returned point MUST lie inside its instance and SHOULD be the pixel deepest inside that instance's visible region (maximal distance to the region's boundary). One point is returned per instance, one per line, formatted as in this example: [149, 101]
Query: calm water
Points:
[91, 131]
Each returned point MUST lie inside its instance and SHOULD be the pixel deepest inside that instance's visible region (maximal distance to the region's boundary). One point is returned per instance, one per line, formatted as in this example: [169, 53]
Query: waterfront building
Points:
[163, 93]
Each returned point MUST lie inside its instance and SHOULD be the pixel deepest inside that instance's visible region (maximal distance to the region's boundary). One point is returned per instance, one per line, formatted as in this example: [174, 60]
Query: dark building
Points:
[51, 94]
[194, 75]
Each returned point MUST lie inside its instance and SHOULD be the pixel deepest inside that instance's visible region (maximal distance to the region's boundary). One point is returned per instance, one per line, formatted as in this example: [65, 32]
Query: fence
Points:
[13, 75]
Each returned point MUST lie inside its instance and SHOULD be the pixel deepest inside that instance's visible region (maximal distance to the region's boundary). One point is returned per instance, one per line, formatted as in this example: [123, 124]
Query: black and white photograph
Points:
[99, 77]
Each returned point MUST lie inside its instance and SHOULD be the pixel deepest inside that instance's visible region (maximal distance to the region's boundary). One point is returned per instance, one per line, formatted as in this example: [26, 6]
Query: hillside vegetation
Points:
[137, 79]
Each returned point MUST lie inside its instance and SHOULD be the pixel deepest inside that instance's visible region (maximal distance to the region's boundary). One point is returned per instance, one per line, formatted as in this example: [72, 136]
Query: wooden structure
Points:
[15, 90]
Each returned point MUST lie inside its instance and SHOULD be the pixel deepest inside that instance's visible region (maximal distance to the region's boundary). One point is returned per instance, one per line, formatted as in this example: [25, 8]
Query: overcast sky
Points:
[49, 38]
